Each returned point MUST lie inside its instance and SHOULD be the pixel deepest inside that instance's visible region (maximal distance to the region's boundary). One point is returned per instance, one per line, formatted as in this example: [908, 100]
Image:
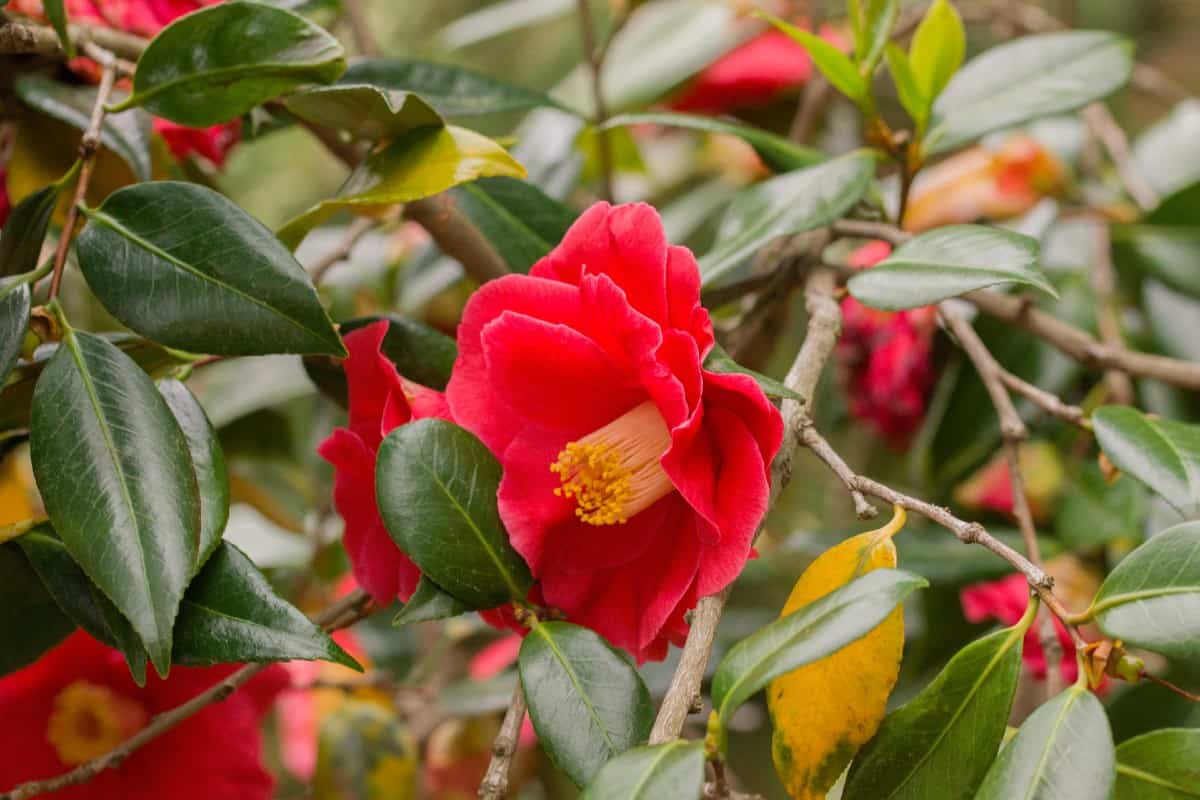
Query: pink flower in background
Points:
[634, 479]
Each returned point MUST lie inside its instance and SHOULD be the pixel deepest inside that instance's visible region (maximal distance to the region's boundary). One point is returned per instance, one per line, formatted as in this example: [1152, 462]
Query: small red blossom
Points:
[380, 400]
[213, 143]
[886, 358]
[752, 74]
[990, 487]
[634, 479]
[78, 702]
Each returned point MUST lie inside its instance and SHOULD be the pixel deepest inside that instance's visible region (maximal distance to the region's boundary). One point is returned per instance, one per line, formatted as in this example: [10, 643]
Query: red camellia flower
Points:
[380, 400]
[886, 357]
[634, 479]
[78, 702]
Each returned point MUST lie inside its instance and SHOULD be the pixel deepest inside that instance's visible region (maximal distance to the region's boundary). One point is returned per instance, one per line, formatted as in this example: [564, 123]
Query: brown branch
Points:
[1102, 125]
[342, 614]
[19, 38]
[1049, 402]
[360, 27]
[1108, 315]
[354, 233]
[89, 146]
[1012, 427]
[495, 781]
[594, 55]
[817, 93]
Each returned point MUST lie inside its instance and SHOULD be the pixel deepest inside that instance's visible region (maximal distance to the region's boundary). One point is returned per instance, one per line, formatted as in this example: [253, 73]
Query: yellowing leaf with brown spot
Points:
[825, 711]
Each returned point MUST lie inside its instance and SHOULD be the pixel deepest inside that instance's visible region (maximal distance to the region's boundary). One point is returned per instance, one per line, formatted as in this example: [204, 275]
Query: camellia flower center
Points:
[614, 473]
[89, 720]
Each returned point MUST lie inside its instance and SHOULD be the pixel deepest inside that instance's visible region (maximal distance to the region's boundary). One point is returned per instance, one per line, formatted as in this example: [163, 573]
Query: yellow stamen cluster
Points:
[594, 476]
[615, 472]
[89, 720]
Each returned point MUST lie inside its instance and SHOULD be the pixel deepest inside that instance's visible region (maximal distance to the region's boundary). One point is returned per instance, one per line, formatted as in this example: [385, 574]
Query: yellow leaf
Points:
[16, 488]
[825, 711]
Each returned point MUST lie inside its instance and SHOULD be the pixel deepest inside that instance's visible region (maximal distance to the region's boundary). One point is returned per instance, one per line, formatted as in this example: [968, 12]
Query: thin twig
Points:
[354, 233]
[360, 27]
[89, 146]
[1105, 128]
[18, 38]
[1166, 684]
[495, 780]
[817, 93]
[1108, 315]
[1012, 427]
[1049, 402]
[344, 613]
[594, 55]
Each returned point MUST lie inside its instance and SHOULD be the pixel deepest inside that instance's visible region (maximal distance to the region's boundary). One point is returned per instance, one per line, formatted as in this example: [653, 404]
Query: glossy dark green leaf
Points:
[80, 599]
[231, 614]
[1091, 512]
[835, 65]
[114, 472]
[208, 463]
[30, 621]
[720, 361]
[366, 112]
[24, 231]
[453, 91]
[810, 633]
[1161, 453]
[417, 164]
[674, 769]
[436, 485]
[941, 742]
[587, 702]
[421, 354]
[1031, 77]
[1152, 598]
[786, 204]
[520, 220]
[127, 134]
[183, 265]
[428, 602]
[1166, 244]
[14, 320]
[1063, 751]
[215, 64]
[1162, 765]
[780, 154]
[946, 262]
[57, 14]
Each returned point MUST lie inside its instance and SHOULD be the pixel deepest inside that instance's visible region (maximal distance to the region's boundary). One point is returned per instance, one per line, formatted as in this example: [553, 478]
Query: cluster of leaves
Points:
[137, 493]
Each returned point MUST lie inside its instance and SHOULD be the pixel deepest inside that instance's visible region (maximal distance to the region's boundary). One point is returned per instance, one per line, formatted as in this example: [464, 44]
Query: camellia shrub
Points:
[617, 400]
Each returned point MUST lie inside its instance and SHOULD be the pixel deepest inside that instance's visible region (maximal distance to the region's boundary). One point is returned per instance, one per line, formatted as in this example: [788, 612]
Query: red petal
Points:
[373, 384]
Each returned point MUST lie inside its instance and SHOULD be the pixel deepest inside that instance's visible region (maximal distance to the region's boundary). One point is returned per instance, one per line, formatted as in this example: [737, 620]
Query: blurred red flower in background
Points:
[634, 479]
[78, 702]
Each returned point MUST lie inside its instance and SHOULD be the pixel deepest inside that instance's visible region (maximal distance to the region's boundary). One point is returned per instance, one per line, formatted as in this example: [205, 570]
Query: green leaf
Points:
[946, 262]
[366, 112]
[1152, 598]
[873, 35]
[1166, 244]
[215, 64]
[835, 65]
[811, 633]
[30, 621]
[1027, 78]
[521, 221]
[208, 463]
[674, 769]
[907, 88]
[24, 231]
[416, 164]
[1063, 751]
[14, 320]
[1091, 513]
[127, 134]
[1161, 453]
[1161, 765]
[941, 742]
[587, 702]
[57, 14]
[780, 154]
[720, 361]
[81, 599]
[421, 354]
[428, 602]
[114, 472]
[183, 265]
[452, 91]
[231, 614]
[1165, 153]
[436, 485]
[786, 204]
[937, 48]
